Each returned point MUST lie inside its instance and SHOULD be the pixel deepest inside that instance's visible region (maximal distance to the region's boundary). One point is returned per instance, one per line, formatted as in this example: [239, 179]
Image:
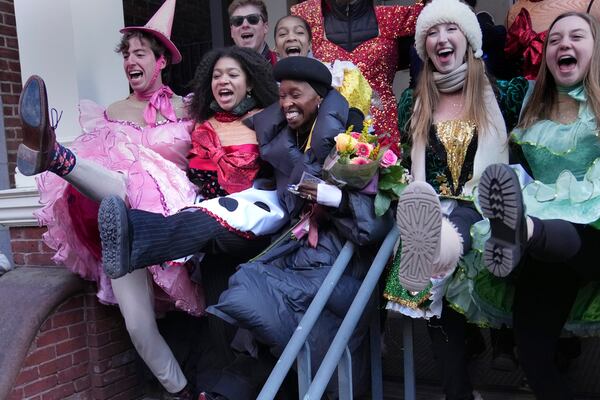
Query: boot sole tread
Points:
[112, 221]
[420, 221]
[501, 202]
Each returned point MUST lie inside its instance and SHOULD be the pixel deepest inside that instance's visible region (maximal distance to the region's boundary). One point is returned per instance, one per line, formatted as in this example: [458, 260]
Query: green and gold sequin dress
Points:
[449, 165]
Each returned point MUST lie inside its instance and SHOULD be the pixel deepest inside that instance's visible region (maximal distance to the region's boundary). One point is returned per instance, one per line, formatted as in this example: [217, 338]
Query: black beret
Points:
[305, 69]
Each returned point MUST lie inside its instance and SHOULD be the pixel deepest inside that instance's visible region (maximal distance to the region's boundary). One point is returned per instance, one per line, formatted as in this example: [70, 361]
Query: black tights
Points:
[450, 333]
[560, 258]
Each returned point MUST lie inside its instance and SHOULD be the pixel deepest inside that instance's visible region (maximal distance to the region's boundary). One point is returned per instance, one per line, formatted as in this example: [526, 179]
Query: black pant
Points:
[463, 217]
[449, 339]
[449, 333]
[561, 257]
[156, 239]
[243, 378]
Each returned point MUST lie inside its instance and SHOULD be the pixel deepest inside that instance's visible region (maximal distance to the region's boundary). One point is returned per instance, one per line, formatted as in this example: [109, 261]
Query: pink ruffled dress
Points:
[153, 159]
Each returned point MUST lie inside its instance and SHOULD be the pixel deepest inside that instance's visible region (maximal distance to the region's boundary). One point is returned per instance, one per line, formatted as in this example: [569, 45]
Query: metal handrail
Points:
[340, 342]
[298, 339]
[338, 356]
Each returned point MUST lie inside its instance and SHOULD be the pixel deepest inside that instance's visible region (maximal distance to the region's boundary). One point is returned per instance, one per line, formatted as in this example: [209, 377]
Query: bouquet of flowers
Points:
[393, 178]
[358, 161]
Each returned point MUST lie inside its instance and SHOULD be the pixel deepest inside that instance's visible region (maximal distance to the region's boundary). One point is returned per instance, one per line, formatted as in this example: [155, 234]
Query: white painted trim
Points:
[18, 205]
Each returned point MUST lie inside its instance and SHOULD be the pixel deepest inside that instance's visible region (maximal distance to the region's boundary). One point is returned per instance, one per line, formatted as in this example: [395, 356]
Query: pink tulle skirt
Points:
[153, 160]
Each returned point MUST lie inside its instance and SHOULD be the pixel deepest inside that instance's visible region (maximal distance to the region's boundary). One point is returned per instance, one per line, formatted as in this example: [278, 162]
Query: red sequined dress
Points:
[377, 58]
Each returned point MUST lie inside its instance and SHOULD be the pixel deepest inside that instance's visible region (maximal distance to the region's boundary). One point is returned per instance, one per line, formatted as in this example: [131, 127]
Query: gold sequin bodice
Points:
[450, 156]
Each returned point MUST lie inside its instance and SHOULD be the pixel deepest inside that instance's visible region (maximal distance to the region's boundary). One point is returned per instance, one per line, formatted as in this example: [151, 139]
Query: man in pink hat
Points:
[249, 24]
[135, 149]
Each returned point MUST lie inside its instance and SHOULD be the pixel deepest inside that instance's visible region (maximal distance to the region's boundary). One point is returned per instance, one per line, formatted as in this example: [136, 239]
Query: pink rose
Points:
[360, 161]
[355, 135]
[364, 149]
[389, 158]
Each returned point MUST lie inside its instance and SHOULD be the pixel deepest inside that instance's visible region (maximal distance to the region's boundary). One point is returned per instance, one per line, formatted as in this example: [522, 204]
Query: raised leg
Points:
[419, 219]
[133, 239]
[502, 203]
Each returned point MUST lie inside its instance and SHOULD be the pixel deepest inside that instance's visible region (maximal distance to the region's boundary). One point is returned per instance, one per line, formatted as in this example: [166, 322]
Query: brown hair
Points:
[428, 95]
[544, 94]
[235, 4]
[155, 45]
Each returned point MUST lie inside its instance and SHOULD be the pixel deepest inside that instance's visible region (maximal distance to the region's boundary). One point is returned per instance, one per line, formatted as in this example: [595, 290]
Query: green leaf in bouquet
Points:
[382, 203]
[386, 183]
[344, 159]
[390, 177]
[399, 188]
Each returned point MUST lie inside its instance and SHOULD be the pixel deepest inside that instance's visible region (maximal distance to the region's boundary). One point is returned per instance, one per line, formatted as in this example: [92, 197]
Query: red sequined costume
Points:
[377, 58]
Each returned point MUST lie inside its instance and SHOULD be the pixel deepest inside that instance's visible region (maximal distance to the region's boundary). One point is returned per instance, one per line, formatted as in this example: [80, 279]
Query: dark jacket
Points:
[270, 294]
[350, 25]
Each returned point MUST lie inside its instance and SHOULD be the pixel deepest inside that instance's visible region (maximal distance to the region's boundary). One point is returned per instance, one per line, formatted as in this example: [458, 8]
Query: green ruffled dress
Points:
[428, 302]
[565, 159]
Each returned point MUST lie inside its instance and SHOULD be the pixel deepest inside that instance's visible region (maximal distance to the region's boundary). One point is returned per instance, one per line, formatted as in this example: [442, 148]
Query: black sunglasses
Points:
[238, 20]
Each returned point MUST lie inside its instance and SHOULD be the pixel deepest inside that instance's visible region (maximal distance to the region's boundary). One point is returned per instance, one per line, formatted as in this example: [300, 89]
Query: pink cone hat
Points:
[160, 26]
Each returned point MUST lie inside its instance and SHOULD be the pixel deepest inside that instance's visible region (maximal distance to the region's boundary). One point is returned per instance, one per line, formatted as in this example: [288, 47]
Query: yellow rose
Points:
[345, 143]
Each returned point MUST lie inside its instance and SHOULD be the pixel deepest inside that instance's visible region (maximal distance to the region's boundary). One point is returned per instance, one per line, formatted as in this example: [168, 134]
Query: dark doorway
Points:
[191, 34]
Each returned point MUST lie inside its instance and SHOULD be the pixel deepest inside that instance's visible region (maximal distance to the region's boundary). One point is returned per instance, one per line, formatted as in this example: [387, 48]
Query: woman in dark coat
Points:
[269, 295]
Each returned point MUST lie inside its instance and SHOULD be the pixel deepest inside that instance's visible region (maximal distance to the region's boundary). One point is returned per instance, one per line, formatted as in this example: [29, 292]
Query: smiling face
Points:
[229, 84]
[291, 37]
[141, 69]
[246, 34]
[299, 103]
[446, 47]
[569, 50]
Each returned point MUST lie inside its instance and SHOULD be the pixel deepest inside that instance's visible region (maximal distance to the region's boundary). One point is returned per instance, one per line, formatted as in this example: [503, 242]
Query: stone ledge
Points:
[18, 205]
[27, 296]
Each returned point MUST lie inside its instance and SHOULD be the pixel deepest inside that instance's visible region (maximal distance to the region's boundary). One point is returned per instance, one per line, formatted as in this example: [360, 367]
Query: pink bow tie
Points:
[160, 101]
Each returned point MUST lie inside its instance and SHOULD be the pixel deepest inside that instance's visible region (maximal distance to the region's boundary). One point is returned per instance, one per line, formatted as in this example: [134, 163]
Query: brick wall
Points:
[10, 81]
[82, 351]
[28, 248]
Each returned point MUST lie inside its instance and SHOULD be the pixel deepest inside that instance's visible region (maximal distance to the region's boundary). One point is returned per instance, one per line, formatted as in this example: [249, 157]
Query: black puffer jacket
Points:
[349, 25]
[269, 295]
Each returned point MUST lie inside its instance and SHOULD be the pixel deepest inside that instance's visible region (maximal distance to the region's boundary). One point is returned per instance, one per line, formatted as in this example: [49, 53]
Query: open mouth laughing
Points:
[292, 50]
[292, 116]
[225, 95]
[135, 75]
[247, 36]
[445, 54]
[567, 63]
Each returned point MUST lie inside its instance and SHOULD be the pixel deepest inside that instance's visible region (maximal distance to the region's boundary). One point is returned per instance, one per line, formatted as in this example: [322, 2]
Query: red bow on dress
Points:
[236, 166]
[522, 41]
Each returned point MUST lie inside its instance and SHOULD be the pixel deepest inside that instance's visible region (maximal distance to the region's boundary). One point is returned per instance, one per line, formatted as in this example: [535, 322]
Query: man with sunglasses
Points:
[248, 21]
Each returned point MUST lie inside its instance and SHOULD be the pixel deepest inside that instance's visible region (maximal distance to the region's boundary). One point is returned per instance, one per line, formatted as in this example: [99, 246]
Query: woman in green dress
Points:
[549, 227]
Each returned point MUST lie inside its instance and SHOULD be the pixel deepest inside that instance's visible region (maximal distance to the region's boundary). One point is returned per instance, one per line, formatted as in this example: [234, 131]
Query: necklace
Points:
[298, 140]
[307, 142]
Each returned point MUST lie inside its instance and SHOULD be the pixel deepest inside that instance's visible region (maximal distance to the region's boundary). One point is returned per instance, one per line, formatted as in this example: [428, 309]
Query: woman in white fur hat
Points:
[457, 130]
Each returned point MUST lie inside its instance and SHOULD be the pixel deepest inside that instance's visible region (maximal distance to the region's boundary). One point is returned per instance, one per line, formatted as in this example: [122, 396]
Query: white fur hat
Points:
[448, 11]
